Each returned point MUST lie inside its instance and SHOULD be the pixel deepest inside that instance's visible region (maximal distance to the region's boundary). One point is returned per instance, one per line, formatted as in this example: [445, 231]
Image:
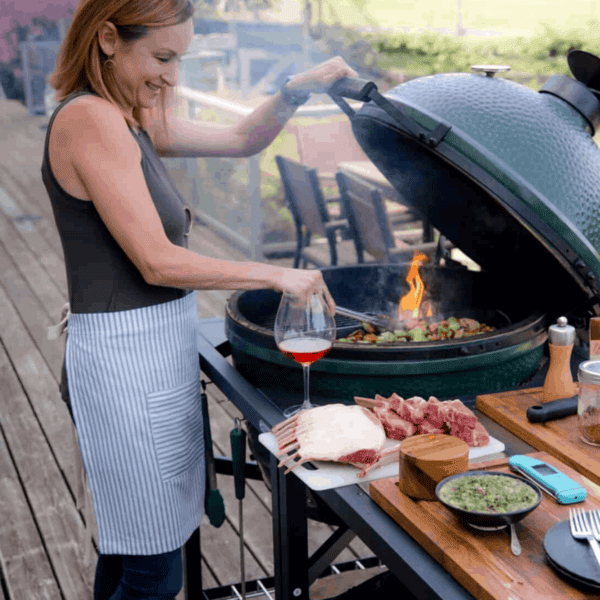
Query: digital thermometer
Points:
[562, 488]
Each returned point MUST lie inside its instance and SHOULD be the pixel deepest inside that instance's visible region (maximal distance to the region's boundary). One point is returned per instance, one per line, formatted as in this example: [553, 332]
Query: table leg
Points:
[290, 535]
[192, 571]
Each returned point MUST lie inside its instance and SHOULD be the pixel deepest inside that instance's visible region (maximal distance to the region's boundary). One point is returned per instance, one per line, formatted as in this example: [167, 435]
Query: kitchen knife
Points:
[557, 409]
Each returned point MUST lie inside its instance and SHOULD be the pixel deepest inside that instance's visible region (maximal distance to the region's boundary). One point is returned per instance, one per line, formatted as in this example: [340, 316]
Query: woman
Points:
[131, 366]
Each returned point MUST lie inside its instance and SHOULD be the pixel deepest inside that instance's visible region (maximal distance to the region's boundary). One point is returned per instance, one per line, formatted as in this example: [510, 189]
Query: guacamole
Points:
[488, 494]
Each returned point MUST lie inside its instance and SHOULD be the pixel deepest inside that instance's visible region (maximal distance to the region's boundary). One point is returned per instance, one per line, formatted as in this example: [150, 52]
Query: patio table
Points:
[370, 173]
[420, 574]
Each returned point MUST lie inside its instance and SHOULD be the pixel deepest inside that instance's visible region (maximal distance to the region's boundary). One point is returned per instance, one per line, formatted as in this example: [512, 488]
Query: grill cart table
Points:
[422, 576]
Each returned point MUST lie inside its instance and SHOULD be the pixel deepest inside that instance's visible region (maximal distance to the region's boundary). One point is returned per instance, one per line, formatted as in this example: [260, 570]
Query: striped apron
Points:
[134, 384]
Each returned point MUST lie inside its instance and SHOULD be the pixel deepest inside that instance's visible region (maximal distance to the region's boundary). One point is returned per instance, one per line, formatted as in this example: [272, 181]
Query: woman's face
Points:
[144, 67]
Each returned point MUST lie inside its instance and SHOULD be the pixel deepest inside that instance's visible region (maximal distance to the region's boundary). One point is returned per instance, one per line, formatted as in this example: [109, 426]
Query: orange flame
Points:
[411, 301]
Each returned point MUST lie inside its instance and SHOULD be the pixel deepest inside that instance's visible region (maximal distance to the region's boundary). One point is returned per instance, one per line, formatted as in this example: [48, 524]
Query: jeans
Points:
[155, 577]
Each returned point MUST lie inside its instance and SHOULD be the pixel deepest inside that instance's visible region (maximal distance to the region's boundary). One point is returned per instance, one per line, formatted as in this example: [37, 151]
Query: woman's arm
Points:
[251, 134]
[107, 162]
[187, 138]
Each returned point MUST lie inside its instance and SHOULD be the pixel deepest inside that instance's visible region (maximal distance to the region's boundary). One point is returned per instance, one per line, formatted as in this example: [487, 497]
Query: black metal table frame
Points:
[421, 575]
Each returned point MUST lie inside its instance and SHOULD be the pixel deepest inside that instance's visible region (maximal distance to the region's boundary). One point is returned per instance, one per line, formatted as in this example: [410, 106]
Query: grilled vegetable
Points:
[443, 330]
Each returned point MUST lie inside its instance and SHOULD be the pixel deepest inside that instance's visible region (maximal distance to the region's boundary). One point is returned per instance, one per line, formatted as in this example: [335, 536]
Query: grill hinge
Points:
[364, 91]
[437, 135]
[431, 138]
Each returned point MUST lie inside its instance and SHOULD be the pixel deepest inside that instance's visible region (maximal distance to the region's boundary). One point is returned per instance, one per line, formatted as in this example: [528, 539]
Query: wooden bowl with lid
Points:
[427, 459]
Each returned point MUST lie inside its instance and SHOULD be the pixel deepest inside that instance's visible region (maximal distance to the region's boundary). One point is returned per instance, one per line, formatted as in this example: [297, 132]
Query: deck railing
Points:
[226, 193]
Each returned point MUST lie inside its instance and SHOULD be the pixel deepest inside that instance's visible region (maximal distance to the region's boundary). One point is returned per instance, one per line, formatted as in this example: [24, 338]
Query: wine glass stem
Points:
[306, 369]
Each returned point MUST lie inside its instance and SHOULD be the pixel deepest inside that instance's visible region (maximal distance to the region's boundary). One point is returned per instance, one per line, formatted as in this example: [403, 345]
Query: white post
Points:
[256, 210]
[62, 28]
[27, 77]
[459, 25]
[306, 41]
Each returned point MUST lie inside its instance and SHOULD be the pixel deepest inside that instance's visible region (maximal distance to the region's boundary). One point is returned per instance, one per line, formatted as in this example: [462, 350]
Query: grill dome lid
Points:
[509, 175]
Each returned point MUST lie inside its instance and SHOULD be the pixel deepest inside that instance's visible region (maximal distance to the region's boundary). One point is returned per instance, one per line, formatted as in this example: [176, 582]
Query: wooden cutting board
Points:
[482, 561]
[560, 437]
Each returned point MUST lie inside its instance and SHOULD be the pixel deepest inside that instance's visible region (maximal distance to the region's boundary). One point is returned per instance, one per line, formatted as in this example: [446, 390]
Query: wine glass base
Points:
[294, 410]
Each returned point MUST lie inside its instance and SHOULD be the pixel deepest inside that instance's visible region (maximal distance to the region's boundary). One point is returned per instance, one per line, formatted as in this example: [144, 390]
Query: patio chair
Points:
[325, 144]
[308, 208]
[367, 216]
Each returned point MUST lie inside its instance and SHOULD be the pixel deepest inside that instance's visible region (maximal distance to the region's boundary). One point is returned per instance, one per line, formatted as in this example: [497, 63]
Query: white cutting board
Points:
[330, 475]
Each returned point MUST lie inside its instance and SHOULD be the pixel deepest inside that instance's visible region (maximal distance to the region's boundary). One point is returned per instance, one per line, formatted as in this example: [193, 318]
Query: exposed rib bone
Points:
[289, 459]
[369, 403]
[288, 421]
[287, 429]
[292, 437]
[289, 448]
[297, 465]
[388, 456]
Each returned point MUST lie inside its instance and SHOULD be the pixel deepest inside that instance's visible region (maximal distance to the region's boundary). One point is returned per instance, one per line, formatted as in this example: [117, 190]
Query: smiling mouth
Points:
[153, 87]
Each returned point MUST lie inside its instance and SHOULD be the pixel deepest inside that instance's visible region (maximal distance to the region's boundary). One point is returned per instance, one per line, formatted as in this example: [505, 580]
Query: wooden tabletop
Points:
[367, 170]
[482, 561]
[559, 437]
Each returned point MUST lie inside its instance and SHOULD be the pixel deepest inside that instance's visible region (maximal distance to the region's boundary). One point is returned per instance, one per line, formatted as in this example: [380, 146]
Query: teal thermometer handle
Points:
[562, 488]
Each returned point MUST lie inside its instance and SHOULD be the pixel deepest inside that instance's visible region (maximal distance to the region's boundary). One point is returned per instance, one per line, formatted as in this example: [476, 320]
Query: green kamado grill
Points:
[512, 178]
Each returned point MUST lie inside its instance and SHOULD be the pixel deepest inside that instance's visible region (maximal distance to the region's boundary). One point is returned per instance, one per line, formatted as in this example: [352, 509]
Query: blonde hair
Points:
[82, 63]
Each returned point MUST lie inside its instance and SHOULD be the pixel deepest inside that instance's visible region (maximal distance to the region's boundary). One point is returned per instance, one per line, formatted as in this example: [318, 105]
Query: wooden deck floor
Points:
[40, 526]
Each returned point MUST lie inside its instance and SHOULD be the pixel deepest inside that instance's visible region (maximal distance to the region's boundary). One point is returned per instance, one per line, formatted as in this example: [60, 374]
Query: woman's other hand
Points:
[303, 283]
[321, 77]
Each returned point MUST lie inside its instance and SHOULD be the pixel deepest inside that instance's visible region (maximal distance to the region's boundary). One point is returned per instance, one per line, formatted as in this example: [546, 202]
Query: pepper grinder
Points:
[559, 380]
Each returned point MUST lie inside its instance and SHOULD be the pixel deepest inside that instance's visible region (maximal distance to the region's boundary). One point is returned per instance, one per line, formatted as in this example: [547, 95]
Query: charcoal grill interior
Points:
[263, 314]
[378, 288]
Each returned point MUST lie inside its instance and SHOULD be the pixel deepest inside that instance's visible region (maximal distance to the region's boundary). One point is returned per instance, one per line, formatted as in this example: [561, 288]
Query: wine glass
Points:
[304, 331]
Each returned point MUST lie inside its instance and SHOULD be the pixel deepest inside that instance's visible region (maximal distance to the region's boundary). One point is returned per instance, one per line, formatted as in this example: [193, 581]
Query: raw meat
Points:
[415, 416]
[335, 432]
[435, 413]
[396, 428]
[458, 413]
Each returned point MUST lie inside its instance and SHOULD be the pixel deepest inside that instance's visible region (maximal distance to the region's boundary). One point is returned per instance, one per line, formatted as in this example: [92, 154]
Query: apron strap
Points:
[55, 331]
[83, 501]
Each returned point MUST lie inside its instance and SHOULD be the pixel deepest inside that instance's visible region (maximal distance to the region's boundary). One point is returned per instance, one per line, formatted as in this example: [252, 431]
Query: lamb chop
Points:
[396, 428]
[402, 418]
[335, 432]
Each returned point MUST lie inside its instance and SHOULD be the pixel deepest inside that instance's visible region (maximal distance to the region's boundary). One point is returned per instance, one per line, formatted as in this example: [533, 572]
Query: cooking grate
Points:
[343, 325]
[346, 325]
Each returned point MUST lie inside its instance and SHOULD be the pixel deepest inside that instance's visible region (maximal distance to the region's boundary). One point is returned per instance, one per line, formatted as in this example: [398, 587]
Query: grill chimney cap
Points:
[490, 70]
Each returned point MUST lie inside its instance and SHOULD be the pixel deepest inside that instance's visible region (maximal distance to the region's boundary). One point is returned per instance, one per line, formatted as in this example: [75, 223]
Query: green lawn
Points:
[529, 16]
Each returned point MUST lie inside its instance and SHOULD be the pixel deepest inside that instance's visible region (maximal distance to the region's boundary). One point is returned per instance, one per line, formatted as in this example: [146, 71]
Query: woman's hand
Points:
[303, 283]
[321, 77]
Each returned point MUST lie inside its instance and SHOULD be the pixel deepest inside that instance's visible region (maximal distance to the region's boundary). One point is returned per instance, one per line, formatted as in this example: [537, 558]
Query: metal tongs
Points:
[384, 322]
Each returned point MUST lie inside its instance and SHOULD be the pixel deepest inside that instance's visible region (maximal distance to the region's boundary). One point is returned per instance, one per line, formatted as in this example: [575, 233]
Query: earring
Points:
[109, 63]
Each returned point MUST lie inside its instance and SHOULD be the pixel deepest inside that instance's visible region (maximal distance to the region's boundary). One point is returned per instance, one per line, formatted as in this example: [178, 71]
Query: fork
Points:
[595, 520]
[580, 529]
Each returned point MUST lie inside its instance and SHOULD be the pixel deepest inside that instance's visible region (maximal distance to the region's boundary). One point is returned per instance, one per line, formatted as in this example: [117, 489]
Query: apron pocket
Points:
[176, 421]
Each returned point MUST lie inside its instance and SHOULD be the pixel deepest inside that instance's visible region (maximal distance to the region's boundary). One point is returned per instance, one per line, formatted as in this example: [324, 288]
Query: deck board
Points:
[40, 526]
[41, 237]
[23, 558]
[31, 311]
[50, 500]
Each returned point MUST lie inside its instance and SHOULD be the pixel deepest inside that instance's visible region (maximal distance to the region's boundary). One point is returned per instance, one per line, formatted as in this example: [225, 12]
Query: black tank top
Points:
[100, 276]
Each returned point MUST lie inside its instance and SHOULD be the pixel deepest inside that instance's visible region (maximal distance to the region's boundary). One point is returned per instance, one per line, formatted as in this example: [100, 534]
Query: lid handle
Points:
[365, 91]
[577, 95]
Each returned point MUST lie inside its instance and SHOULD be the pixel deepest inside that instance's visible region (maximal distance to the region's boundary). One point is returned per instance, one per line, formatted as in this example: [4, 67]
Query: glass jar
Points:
[588, 406]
